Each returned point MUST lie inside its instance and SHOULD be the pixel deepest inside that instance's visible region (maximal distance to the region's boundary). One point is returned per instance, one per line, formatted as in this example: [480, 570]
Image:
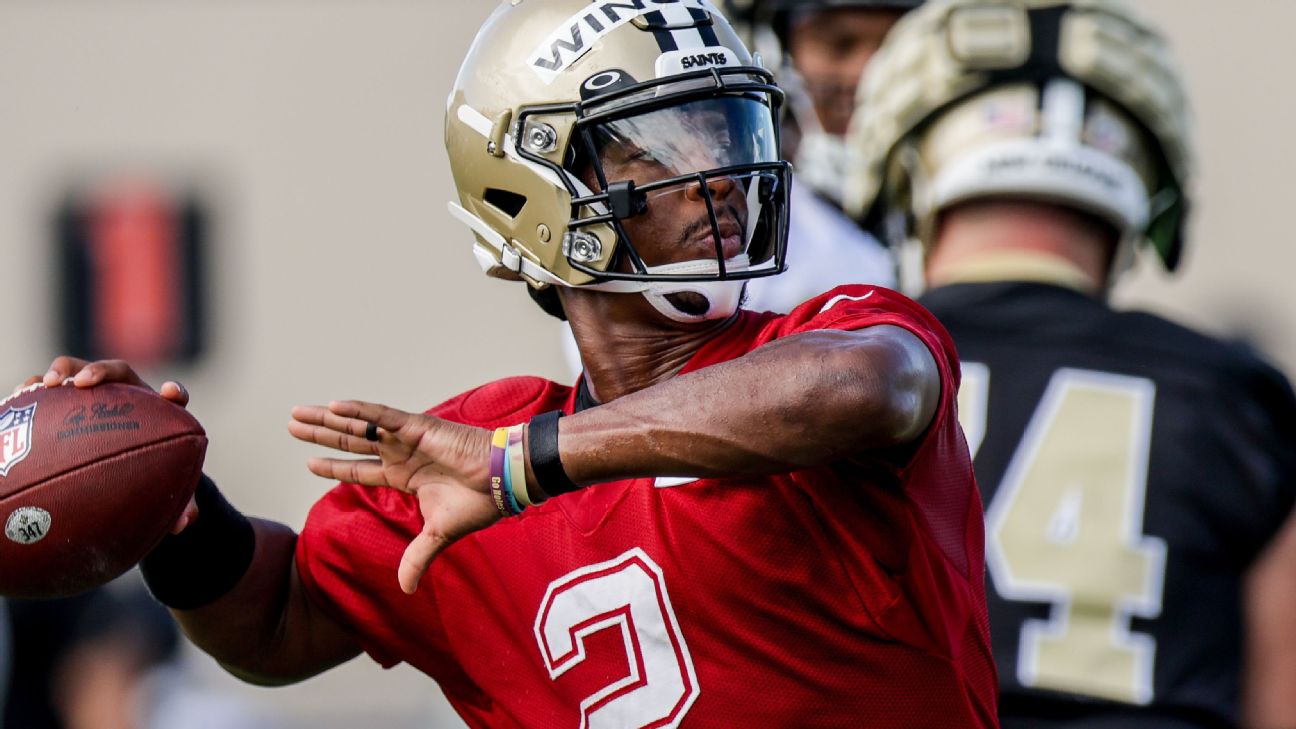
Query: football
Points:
[90, 480]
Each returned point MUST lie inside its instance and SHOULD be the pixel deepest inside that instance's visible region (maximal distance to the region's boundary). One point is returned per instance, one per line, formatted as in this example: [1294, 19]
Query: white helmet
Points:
[550, 86]
[1073, 102]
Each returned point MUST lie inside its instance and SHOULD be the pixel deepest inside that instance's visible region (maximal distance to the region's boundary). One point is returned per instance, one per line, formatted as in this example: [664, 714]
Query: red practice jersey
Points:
[848, 595]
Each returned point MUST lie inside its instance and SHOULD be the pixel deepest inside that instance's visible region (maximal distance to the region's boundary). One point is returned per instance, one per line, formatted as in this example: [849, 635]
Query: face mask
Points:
[722, 297]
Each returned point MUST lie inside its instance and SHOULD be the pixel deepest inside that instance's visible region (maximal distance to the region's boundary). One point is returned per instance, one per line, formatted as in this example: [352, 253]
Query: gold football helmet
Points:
[551, 89]
[1073, 102]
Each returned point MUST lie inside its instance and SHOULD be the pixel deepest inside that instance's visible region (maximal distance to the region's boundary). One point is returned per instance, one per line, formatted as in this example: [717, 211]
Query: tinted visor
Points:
[696, 136]
[703, 175]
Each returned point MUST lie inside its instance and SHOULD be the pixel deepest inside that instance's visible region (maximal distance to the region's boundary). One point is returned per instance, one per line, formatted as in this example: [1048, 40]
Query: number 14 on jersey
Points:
[1064, 526]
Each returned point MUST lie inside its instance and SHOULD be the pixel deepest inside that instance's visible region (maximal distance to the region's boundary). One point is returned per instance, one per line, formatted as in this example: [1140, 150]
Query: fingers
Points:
[84, 373]
[89, 374]
[62, 368]
[187, 517]
[109, 370]
[357, 421]
[417, 558]
[321, 418]
[175, 392]
[364, 473]
[386, 418]
[320, 435]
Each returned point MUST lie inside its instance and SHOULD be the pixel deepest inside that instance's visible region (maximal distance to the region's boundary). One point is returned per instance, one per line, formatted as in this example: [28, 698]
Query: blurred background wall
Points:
[311, 132]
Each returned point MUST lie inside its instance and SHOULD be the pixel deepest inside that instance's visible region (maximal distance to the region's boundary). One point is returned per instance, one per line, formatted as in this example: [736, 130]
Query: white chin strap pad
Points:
[722, 297]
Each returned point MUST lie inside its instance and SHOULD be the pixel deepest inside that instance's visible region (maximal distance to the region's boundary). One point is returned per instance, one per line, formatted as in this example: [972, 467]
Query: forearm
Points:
[800, 401]
[232, 585]
[264, 630]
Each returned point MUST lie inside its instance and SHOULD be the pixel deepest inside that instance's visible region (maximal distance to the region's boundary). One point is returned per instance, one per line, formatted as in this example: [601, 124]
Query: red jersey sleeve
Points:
[935, 472]
[932, 469]
[850, 308]
[853, 307]
[845, 308]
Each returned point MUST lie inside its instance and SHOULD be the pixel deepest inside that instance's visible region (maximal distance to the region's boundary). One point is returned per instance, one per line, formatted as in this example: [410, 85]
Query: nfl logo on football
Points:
[15, 436]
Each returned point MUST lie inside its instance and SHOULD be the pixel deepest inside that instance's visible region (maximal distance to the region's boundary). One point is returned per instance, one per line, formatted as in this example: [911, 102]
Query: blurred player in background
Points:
[107, 659]
[43, 642]
[1139, 477]
[819, 49]
[736, 519]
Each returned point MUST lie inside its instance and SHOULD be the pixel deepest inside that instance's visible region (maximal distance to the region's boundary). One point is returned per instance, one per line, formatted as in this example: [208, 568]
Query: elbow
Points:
[258, 679]
[911, 407]
[267, 674]
[915, 392]
[896, 385]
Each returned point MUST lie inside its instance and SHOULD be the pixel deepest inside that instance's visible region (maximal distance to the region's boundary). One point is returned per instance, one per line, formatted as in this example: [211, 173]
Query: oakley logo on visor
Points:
[605, 82]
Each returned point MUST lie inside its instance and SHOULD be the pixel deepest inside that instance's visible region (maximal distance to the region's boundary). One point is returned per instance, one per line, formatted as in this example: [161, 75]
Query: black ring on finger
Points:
[371, 432]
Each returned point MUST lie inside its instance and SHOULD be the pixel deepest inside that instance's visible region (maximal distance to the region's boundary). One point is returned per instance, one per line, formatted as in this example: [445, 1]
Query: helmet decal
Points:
[575, 36]
[681, 26]
[672, 63]
[605, 82]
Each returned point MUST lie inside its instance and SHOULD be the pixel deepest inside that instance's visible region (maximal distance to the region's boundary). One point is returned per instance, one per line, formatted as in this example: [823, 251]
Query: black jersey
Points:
[1131, 470]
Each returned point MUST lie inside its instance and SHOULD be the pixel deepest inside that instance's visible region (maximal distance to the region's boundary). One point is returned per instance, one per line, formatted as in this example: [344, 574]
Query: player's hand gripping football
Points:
[84, 373]
[88, 374]
[446, 465]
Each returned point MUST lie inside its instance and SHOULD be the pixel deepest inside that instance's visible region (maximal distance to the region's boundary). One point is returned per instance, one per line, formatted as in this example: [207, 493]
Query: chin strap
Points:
[722, 297]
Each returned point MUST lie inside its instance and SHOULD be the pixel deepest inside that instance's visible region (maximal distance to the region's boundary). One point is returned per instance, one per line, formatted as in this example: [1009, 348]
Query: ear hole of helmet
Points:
[507, 202]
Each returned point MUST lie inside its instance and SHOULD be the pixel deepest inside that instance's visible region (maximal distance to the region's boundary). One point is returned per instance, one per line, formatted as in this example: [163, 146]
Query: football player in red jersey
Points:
[734, 519]
[1139, 477]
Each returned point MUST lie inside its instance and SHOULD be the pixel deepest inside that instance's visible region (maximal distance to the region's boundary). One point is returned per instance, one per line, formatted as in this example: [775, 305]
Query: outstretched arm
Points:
[801, 401]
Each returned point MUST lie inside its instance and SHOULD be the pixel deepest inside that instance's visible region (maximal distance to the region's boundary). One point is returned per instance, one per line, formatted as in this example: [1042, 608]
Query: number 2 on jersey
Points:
[627, 594]
[1065, 527]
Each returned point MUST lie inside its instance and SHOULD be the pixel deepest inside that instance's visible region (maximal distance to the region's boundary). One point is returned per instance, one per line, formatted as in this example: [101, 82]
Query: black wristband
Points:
[542, 450]
[200, 564]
